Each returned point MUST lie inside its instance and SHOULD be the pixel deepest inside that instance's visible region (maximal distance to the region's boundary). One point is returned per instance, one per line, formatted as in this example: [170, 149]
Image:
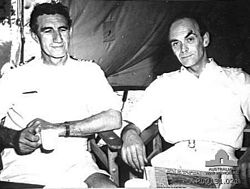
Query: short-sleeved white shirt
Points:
[212, 107]
[56, 94]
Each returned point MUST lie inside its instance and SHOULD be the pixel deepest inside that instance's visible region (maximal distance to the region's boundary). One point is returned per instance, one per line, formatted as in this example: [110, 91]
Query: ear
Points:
[35, 37]
[206, 39]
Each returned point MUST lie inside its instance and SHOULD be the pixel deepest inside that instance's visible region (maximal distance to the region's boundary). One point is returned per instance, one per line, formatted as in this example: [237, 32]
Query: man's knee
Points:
[100, 180]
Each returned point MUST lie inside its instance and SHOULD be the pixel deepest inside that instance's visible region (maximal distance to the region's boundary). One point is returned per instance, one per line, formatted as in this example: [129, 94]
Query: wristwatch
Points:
[67, 128]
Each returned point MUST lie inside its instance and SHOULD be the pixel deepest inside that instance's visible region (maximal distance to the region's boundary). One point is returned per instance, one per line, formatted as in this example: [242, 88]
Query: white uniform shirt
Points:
[212, 107]
[56, 94]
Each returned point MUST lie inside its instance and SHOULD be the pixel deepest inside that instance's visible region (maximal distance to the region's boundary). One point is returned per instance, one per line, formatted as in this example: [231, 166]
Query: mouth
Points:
[57, 47]
[186, 56]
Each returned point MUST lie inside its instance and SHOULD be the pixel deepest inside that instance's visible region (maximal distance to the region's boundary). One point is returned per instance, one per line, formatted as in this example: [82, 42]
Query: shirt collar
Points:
[211, 68]
[40, 60]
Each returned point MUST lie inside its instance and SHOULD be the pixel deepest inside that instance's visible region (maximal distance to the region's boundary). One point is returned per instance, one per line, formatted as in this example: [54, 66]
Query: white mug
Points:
[49, 138]
[137, 183]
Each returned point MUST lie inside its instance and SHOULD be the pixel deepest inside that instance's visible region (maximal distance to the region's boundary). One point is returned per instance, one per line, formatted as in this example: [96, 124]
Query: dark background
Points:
[128, 39]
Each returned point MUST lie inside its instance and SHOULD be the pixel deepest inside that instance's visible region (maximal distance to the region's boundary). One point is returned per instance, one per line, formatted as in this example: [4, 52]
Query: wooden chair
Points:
[246, 141]
[106, 155]
[152, 140]
[154, 145]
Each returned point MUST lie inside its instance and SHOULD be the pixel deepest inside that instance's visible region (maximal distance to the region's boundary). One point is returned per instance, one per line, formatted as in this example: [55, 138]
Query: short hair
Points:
[49, 9]
[203, 28]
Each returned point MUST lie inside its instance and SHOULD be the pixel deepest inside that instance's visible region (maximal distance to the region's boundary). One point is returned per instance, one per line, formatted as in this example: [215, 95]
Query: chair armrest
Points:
[246, 137]
[150, 133]
[107, 156]
[247, 128]
[111, 139]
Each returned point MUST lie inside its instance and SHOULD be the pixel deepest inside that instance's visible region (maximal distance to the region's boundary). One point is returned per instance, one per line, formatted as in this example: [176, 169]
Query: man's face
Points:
[53, 36]
[187, 43]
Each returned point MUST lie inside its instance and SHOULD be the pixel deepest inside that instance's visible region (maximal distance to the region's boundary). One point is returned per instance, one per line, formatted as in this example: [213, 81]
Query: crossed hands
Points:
[28, 139]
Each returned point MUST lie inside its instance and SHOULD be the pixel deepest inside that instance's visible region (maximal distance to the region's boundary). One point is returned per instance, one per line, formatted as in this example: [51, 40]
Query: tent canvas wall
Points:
[128, 39]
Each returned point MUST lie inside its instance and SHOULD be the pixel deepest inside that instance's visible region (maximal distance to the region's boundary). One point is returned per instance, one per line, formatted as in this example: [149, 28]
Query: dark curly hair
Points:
[49, 9]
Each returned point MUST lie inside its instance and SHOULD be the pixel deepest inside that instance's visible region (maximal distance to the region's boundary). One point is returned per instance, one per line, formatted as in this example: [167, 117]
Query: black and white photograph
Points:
[124, 94]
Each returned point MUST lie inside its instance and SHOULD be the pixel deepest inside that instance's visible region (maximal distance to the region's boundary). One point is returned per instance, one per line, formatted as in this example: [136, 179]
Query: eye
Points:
[190, 39]
[175, 44]
[48, 30]
[63, 29]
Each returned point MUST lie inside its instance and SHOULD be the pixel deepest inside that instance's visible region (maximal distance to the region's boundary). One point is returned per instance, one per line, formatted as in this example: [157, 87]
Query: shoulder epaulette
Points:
[233, 70]
[74, 58]
[168, 74]
[80, 60]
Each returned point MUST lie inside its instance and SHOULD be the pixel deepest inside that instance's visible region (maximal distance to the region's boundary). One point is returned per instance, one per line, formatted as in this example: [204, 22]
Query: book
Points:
[161, 177]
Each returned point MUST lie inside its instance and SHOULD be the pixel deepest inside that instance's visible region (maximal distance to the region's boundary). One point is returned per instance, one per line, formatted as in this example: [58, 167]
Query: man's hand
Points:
[40, 124]
[244, 169]
[27, 140]
[133, 150]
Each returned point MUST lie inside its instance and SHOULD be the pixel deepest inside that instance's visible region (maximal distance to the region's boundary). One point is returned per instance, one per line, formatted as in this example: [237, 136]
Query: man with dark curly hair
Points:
[57, 93]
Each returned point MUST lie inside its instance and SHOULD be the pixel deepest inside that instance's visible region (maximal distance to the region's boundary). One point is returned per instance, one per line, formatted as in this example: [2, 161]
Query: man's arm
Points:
[133, 148]
[26, 141]
[244, 168]
[8, 137]
[244, 161]
[103, 121]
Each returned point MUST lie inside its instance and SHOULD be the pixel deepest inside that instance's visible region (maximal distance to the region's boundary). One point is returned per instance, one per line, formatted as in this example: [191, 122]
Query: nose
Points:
[57, 37]
[184, 48]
